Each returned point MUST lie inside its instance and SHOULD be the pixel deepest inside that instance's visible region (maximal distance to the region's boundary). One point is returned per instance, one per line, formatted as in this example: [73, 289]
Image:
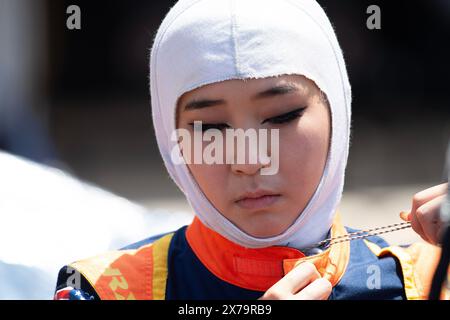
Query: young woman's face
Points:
[304, 140]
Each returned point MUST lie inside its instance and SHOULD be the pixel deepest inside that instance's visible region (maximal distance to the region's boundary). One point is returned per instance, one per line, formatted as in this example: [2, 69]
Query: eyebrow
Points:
[271, 92]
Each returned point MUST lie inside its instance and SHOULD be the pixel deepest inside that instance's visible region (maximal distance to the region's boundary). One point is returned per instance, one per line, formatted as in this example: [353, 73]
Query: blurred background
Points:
[78, 101]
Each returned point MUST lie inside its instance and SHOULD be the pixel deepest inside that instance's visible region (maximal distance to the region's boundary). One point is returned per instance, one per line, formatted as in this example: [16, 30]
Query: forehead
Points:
[246, 87]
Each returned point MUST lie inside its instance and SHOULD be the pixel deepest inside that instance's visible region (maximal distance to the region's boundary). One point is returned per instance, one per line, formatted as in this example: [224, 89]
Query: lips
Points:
[259, 199]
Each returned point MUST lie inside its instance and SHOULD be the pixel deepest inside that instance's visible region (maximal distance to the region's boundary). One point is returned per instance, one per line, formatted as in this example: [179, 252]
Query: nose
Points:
[246, 169]
[249, 151]
[250, 167]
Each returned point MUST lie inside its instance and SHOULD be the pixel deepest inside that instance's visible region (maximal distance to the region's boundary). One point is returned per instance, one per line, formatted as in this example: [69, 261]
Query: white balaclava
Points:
[205, 41]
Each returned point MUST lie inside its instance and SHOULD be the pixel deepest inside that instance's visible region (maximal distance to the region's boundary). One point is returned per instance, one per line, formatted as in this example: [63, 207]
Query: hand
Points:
[425, 213]
[301, 283]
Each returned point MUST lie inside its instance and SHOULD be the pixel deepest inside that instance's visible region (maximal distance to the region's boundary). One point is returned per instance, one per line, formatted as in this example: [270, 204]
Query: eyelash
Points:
[284, 118]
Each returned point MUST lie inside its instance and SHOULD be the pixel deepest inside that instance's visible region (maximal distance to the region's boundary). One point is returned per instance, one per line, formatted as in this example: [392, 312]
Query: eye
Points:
[206, 126]
[286, 117]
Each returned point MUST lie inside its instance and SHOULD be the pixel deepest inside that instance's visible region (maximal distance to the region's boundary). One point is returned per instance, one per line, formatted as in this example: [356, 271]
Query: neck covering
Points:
[201, 42]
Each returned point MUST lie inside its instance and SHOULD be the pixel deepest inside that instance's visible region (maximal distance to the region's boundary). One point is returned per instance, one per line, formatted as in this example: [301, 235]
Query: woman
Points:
[272, 65]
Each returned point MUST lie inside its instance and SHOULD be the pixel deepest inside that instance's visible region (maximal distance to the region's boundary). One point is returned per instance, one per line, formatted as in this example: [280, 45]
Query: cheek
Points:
[212, 180]
[303, 153]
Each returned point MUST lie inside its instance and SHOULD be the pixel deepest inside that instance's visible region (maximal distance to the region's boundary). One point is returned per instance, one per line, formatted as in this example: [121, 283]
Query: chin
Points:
[261, 224]
[266, 230]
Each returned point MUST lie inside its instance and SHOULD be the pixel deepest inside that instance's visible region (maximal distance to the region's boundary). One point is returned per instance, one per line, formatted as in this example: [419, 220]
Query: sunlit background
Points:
[78, 101]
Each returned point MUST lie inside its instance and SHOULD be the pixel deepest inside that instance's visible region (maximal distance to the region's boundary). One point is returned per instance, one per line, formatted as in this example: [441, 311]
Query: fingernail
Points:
[404, 215]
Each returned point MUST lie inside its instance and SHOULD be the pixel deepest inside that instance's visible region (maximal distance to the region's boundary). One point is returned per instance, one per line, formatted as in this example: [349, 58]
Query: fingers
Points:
[319, 289]
[429, 219]
[415, 224]
[405, 216]
[292, 282]
[299, 277]
[424, 215]
[301, 283]
[426, 195]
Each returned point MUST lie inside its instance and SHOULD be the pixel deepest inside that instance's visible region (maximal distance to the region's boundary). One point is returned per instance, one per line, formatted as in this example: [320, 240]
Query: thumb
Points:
[406, 216]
